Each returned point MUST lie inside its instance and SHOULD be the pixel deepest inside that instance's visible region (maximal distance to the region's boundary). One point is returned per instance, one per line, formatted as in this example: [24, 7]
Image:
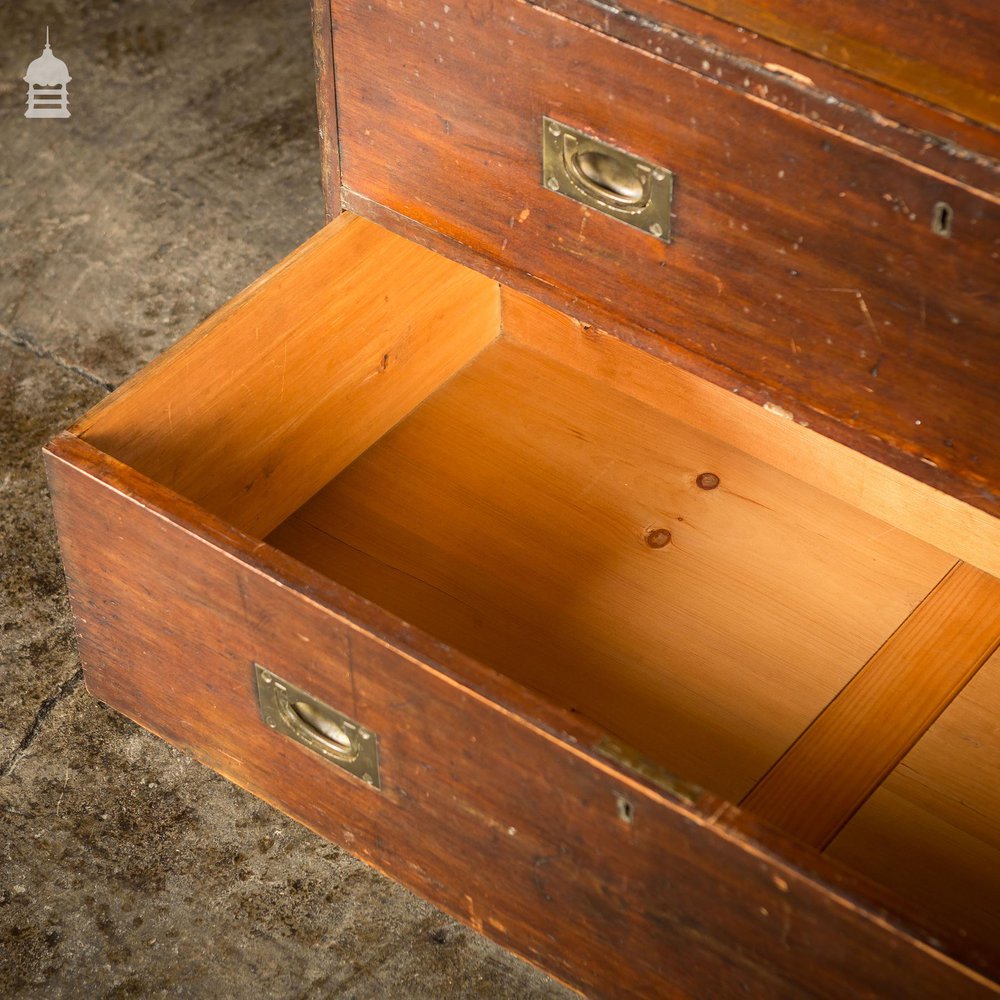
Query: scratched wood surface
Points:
[800, 83]
[803, 275]
[326, 106]
[725, 908]
[804, 271]
[945, 53]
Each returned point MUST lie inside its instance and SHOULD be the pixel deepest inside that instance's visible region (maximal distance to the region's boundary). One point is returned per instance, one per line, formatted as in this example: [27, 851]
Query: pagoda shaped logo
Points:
[47, 79]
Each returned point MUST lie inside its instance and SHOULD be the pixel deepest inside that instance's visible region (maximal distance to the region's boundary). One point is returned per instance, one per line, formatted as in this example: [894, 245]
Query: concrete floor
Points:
[190, 165]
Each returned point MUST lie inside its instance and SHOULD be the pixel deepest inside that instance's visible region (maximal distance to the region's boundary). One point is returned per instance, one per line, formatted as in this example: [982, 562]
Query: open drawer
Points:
[519, 614]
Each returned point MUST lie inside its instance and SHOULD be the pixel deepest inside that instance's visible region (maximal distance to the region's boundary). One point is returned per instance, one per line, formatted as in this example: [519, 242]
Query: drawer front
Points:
[592, 873]
[807, 269]
[944, 53]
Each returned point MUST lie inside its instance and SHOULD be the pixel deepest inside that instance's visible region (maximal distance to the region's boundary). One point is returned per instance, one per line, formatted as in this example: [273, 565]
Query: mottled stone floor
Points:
[190, 164]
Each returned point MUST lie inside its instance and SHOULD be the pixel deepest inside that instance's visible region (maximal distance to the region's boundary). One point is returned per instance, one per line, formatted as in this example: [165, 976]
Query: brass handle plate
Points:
[336, 737]
[601, 176]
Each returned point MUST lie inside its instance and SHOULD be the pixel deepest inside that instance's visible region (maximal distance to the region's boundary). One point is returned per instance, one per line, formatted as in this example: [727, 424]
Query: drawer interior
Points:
[522, 513]
[576, 514]
[932, 830]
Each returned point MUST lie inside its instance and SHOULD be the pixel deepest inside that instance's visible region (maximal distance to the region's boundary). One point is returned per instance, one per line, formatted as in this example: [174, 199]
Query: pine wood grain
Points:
[536, 498]
[509, 516]
[931, 831]
[826, 775]
[259, 406]
[916, 508]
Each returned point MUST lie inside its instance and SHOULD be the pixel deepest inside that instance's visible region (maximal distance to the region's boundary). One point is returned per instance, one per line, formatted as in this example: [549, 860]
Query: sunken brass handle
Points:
[319, 725]
[336, 737]
[614, 180]
[603, 177]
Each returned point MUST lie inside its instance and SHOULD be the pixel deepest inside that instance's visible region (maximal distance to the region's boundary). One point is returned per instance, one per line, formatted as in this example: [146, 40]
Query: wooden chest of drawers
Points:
[625, 583]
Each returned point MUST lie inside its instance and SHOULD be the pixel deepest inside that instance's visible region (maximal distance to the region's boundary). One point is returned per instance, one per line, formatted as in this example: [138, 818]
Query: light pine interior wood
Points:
[526, 489]
[510, 516]
[931, 832]
[828, 773]
[773, 435]
[294, 378]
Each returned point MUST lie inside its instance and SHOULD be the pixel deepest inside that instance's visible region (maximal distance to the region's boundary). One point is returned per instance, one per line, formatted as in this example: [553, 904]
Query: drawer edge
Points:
[731, 867]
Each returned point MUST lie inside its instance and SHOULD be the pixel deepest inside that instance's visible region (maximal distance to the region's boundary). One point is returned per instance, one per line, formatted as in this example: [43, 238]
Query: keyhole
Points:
[941, 220]
[625, 809]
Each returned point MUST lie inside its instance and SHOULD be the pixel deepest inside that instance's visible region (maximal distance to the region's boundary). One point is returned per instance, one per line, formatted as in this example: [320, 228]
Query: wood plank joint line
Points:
[828, 773]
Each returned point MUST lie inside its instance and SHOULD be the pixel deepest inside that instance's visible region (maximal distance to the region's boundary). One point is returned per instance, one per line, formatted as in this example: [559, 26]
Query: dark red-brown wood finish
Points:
[804, 271]
[792, 80]
[944, 53]
[804, 274]
[326, 105]
[685, 897]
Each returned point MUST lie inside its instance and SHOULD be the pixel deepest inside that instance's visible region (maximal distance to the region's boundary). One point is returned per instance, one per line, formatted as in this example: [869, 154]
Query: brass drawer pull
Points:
[606, 178]
[322, 727]
[612, 178]
[331, 734]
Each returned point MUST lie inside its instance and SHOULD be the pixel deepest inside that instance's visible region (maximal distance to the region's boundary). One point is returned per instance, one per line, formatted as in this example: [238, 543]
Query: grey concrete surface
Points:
[189, 165]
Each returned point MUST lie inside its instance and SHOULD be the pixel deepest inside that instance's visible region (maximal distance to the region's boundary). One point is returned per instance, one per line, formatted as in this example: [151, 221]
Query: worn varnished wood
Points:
[563, 377]
[516, 515]
[832, 769]
[904, 485]
[689, 899]
[804, 259]
[797, 83]
[682, 901]
[326, 106]
[932, 829]
[239, 415]
[945, 53]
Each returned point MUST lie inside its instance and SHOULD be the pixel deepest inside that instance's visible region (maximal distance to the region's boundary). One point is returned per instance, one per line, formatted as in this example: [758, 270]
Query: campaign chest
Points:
[595, 526]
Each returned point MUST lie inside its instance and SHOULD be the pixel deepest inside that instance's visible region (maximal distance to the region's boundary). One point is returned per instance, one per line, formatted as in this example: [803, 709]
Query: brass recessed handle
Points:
[613, 178]
[319, 727]
[603, 177]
